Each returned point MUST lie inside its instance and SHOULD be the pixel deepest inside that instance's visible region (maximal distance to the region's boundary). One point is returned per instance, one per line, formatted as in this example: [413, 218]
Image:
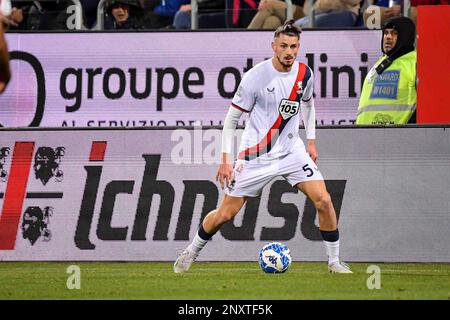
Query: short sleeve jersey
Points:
[273, 101]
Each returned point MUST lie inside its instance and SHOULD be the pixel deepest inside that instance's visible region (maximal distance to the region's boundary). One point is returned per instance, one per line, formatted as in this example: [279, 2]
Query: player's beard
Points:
[286, 65]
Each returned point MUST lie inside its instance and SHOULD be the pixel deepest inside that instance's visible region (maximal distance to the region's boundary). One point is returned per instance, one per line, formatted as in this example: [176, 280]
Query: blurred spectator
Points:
[389, 91]
[376, 15]
[332, 14]
[18, 16]
[211, 14]
[272, 14]
[149, 5]
[416, 3]
[163, 14]
[239, 13]
[123, 15]
[49, 15]
[40, 15]
[90, 12]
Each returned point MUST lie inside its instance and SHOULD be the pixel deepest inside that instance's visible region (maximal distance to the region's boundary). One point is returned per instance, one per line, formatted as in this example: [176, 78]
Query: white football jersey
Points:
[272, 99]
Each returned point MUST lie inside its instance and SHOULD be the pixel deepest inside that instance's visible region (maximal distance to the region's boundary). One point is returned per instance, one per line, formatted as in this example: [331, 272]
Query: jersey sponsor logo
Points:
[288, 108]
[386, 85]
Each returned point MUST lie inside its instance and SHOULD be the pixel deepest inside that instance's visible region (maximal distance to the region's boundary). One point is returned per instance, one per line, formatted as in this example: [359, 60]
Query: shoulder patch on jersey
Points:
[300, 89]
[239, 91]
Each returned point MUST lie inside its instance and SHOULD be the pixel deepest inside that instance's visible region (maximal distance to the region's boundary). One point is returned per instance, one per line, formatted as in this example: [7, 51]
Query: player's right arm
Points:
[5, 73]
[225, 172]
[243, 102]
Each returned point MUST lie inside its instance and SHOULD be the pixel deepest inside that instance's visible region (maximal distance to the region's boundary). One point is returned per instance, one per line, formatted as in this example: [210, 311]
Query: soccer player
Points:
[274, 93]
[5, 74]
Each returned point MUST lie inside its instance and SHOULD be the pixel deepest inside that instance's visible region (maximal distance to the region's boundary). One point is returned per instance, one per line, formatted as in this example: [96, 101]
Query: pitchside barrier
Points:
[139, 195]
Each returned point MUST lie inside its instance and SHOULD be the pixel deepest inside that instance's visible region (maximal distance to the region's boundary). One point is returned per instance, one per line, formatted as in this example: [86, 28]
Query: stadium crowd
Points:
[211, 14]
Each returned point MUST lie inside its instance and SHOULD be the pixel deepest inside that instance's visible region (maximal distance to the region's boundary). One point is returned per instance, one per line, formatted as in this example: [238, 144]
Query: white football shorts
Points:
[250, 177]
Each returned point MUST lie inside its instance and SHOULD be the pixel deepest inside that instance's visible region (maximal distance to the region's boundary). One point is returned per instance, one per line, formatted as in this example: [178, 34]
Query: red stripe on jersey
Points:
[278, 123]
[300, 75]
[239, 108]
[265, 141]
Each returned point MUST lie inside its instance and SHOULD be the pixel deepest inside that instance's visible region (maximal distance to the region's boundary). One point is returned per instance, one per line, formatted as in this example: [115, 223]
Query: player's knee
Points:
[225, 217]
[226, 214]
[323, 203]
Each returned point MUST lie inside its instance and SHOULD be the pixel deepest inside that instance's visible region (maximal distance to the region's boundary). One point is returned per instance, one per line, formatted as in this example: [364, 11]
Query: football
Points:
[275, 257]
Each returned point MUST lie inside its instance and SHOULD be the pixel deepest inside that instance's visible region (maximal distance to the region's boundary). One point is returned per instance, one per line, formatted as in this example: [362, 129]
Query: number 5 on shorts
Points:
[306, 168]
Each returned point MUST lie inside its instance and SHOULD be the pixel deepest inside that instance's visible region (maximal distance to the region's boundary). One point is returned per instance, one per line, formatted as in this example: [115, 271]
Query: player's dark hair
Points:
[289, 28]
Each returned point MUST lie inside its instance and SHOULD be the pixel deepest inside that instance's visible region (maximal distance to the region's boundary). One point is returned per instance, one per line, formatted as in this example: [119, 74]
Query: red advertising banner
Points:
[433, 65]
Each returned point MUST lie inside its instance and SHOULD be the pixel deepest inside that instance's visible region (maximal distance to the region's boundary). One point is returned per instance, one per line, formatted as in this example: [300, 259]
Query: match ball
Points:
[275, 257]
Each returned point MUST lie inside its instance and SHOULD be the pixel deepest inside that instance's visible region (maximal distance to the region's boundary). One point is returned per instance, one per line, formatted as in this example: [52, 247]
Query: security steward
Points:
[389, 92]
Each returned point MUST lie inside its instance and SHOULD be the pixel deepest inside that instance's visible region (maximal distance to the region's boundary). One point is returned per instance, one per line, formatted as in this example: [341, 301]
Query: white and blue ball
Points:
[275, 257]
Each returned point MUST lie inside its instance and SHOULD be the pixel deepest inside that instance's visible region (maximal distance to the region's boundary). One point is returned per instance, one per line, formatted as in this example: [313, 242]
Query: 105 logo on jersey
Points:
[288, 108]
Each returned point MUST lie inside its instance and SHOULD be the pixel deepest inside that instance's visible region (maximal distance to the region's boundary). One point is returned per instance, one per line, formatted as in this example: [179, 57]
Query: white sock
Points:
[197, 244]
[332, 249]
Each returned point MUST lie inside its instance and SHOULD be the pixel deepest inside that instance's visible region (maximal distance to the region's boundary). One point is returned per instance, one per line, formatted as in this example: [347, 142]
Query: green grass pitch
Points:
[220, 280]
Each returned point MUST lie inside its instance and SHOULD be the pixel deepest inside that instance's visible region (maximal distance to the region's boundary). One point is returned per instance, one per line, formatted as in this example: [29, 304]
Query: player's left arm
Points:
[309, 118]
